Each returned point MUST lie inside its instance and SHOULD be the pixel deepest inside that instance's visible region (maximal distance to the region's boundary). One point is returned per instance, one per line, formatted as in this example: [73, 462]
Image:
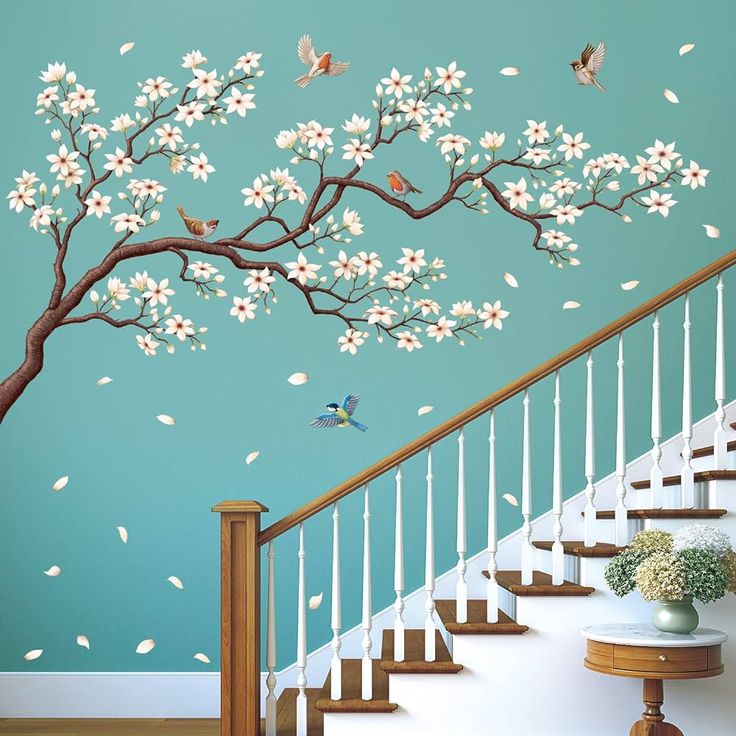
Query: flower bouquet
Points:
[697, 561]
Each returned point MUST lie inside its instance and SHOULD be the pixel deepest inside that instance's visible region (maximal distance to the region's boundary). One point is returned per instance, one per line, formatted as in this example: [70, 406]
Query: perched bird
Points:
[317, 64]
[400, 185]
[199, 228]
[589, 64]
[340, 415]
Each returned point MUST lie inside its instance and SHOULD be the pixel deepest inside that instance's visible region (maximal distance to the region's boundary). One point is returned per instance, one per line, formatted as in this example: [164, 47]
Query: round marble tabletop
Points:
[645, 635]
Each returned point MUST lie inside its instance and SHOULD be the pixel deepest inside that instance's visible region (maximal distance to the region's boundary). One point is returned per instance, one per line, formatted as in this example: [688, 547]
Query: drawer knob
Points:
[662, 658]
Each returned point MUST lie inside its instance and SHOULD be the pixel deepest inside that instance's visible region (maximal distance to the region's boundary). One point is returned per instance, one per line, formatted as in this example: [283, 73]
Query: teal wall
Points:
[159, 482]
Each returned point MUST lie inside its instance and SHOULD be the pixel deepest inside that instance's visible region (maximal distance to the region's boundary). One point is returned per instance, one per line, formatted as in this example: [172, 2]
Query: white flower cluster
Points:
[700, 536]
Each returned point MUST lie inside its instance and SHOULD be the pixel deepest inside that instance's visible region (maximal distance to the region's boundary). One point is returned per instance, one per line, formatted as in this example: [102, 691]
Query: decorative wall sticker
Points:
[83, 641]
[317, 64]
[176, 582]
[32, 654]
[422, 410]
[251, 457]
[146, 646]
[712, 231]
[586, 68]
[104, 381]
[60, 483]
[53, 572]
[630, 285]
[201, 657]
[315, 601]
[340, 415]
[123, 534]
[298, 379]
[686, 48]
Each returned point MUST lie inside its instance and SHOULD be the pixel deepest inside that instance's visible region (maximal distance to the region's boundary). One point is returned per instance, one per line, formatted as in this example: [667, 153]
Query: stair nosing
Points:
[477, 628]
[568, 589]
[444, 666]
[701, 476]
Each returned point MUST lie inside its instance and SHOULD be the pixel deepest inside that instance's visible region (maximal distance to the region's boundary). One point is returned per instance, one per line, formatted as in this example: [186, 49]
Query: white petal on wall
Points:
[123, 532]
[33, 654]
[53, 572]
[629, 285]
[201, 657]
[297, 379]
[61, 483]
[251, 457]
[83, 641]
[510, 71]
[509, 498]
[422, 410]
[315, 602]
[510, 279]
[166, 419]
[712, 231]
[176, 582]
[126, 47]
[571, 305]
[670, 96]
[104, 380]
[145, 646]
[686, 49]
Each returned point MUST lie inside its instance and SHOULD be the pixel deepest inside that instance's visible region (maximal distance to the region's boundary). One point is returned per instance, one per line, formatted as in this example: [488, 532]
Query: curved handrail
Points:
[484, 405]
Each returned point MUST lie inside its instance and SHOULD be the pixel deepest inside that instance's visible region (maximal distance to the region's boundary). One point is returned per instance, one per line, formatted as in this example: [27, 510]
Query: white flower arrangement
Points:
[700, 536]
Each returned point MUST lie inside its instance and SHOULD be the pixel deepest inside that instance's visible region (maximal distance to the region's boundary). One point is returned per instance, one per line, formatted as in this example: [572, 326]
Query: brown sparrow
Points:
[589, 64]
[199, 228]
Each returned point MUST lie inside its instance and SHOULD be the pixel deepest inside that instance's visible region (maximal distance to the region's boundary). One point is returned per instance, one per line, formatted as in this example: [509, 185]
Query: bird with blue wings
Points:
[340, 415]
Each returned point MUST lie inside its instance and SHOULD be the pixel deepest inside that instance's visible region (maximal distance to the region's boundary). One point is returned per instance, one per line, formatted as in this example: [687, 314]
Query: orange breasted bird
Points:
[400, 185]
[317, 64]
[199, 228]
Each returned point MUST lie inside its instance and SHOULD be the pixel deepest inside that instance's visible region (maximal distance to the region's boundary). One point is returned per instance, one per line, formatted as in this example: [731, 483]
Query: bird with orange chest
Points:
[400, 185]
[317, 64]
[201, 229]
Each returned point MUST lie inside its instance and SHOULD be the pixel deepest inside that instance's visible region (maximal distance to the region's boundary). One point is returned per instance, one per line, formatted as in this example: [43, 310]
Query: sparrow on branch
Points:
[317, 64]
[589, 64]
[400, 185]
[199, 228]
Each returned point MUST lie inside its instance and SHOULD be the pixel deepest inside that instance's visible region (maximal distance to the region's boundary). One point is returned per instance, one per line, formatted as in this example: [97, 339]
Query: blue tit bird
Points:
[340, 415]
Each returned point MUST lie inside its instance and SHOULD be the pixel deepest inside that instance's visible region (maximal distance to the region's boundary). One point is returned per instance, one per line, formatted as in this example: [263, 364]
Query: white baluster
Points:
[621, 515]
[558, 551]
[720, 455]
[590, 520]
[336, 623]
[399, 626]
[492, 585]
[271, 646]
[687, 479]
[527, 551]
[656, 475]
[429, 625]
[301, 643]
[367, 622]
[461, 589]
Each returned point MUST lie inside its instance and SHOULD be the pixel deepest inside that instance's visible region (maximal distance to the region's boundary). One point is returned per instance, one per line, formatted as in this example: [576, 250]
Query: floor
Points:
[108, 727]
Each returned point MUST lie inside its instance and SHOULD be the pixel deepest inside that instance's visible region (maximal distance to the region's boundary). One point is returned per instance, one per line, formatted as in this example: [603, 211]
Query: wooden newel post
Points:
[240, 658]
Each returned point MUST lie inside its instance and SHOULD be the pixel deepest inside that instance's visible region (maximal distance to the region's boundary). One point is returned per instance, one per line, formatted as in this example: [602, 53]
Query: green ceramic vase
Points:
[676, 617]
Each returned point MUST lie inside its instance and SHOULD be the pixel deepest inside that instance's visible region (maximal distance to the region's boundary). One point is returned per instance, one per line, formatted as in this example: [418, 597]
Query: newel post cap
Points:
[239, 507]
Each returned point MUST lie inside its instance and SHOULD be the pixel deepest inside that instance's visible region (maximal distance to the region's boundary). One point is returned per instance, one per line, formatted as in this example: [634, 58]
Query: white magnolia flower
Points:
[357, 125]
[379, 314]
[594, 167]
[117, 289]
[556, 238]
[258, 194]
[450, 77]
[616, 161]
[662, 154]
[412, 260]
[566, 213]
[396, 84]
[536, 132]
[408, 341]
[573, 146]
[169, 136]
[239, 102]
[94, 131]
[296, 192]
[564, 186]
[694, 176]
[41, 216]
[205, 83]
[97, 204]
[180, 327]
[286, 138]
[118, 163]
[492, 314]
[426, 306]
[397, 280]
[155, 88]
[26, 180]
[351, 221]
[193, 59]
[122, 123]
[202, 270]
[259, 280]
[537, 155]
[414, 110]
[54, 73]
[659, 203]
[351, 341]
[441, 330]
[546, 201]
[190, 113]
[81, 98]
[516, 194]
[462, 309]
[367, 263]
[147, 344]
[200, 167]
[441, 115]
[139, 281]
[127, 221]
[145, 188]
[301, 270]
[492, 141]
[425, 131]
[60, 162]
[248, 61]
[452, 142]
[176, 164]
[243, 309]
[47, 97]
[20, 198]
[646, 170]
[343, 266]
[357, 151]
[318, 136]
[158, 293]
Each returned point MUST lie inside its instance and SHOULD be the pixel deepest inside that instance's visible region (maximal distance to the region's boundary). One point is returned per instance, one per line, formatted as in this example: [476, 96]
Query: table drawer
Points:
[664, 659]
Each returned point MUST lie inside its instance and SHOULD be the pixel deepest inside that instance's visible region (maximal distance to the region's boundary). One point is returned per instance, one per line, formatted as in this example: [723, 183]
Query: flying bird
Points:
[589, 64]
[400, 185]
[317, 64]
[199, 228]
[340, 415]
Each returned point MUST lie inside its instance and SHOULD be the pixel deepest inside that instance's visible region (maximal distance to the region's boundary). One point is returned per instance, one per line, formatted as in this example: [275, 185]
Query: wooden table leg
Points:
[652, 722]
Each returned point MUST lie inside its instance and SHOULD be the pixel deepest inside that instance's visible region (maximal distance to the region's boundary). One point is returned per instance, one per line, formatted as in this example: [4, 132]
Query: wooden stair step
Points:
[700, 477]
[414, 655]
[352, 702]
[286, 713]
[707, 451]
[476, 623]
[541, 584]
[733, 425]
[666, 514]
[578, 549]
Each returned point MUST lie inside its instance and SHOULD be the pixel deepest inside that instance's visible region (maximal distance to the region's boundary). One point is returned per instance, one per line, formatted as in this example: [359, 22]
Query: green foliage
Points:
[619, 572]
[705, 575]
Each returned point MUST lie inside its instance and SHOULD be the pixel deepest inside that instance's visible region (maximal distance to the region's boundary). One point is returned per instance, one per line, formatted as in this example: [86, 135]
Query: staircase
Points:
[493, 645]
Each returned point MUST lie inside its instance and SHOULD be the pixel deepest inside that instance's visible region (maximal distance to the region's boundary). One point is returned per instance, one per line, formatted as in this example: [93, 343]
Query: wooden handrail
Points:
[484, 405]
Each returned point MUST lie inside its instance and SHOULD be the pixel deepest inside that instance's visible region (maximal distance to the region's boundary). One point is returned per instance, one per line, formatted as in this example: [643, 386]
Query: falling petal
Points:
[145, 646]
[176, 582]
[83, 641]
[166, 419]
[510, 279]
[670, 96]
[297, 379]
[104, 380]
[510, 71]
[315, 602]
[686, 49]
[629, 285]
[200, 657]
[123, 532]
[422, 410]
[33, 654]
[509, 498]
[53, 572]
[251, 457]
[712, 231]
[571, 305]
[126, 47]
[61, 483]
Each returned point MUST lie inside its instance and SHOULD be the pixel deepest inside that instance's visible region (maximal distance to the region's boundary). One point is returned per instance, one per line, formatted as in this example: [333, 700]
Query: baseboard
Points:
[109, 694]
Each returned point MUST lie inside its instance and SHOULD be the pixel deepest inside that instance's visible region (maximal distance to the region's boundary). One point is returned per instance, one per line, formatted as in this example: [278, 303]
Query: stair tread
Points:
[709, 450]
[352, 702]
[601, 549]
[286, 713]
[700, 476]
[666, 514]
[476, 623]
[541, 584]
[414, 654]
